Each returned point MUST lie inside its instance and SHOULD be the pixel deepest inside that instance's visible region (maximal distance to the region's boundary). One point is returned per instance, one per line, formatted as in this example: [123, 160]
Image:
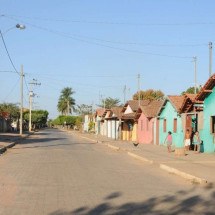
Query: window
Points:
[175, 125]
[212, 124]
[164, 125]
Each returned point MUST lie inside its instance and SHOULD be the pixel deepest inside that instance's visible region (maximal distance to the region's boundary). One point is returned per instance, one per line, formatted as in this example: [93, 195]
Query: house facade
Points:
[206, 96]
[129, 121]
[99, 121]
[170, 119]
[148, 123]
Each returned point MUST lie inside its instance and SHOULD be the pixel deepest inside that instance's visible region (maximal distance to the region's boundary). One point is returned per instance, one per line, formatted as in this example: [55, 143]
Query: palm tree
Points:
[109, 102]
[66, 102]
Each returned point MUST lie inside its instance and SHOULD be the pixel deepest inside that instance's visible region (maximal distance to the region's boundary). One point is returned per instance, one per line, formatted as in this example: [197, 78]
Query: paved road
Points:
[54, 173]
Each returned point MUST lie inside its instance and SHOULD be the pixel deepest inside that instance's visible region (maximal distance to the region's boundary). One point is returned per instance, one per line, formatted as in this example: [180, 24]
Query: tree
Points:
[38, 118]
[109, 102]
[66, 102]
[11, 109]
[149, 94]
[83, 109]
[190, 90]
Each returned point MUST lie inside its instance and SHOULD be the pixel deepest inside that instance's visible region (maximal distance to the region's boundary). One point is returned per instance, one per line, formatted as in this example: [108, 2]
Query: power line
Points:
[63, 34]
[26, 84]
[11, 90]
[110, 23]
[8, 53]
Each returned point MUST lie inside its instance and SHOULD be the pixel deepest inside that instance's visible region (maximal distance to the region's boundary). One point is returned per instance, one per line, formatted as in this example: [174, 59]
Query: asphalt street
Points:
[55, 173]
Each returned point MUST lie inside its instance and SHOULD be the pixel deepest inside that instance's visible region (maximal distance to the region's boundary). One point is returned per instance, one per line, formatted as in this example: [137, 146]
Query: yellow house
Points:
[129, 122]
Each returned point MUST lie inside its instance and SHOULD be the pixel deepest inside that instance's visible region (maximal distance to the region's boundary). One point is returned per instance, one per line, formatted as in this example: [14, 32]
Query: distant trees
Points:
[12, 109]
[66, 102]
[83, 109]
[191, 90]
[109, 102]
[38, 118]
[68, 121]
[149, 94]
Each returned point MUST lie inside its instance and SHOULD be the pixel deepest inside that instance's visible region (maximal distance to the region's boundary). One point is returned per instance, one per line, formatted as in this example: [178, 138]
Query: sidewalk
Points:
[198, 168]
[9, 139]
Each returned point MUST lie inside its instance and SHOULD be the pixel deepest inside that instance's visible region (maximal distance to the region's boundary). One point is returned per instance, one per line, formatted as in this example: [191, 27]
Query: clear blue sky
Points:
[99, 46]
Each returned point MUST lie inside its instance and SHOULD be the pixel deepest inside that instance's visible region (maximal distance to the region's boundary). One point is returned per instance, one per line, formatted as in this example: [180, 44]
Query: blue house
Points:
[206, 99]
[170, 119]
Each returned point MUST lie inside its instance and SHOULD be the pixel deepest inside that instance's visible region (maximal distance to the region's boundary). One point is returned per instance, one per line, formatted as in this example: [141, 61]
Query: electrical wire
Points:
[63, 34]
[8, 53]
[110, 23]
[11, 90]
[26, 84]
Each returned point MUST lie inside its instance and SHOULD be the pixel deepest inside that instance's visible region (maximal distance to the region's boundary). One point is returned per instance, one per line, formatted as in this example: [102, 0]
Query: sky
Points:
[97, 47]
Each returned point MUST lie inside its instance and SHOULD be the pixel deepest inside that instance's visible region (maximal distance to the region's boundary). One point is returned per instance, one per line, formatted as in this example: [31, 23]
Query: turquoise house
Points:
[170, 119]
[207, 97]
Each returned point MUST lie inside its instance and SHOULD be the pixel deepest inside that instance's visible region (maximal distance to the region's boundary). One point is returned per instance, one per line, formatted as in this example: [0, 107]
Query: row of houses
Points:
[148, 122]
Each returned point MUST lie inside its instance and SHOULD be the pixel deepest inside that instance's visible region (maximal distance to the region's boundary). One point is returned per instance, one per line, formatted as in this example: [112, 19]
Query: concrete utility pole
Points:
[210, 58]
[31, 95]
[21, 100]
[124, 93]
[195, 74]
[138, 77]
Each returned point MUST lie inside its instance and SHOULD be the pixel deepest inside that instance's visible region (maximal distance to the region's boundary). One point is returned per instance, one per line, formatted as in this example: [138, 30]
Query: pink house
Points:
[148, 124]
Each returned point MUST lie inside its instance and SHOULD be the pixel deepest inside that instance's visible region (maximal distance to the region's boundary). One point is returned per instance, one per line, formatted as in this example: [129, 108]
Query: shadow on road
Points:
[182, 202]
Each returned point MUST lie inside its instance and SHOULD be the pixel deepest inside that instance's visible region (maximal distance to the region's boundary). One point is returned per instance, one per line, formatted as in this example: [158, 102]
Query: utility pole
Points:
[124, 92]
[31, 95]
[21, 100]
[138, 77]
[195, 74]
[210, 58]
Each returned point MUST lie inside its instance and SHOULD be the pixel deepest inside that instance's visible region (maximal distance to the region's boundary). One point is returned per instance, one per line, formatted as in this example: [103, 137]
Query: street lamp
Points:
[21, 27]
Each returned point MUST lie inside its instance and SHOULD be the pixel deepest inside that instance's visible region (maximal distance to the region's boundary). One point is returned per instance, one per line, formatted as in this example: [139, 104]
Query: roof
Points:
[117, 111]
[129, 116]
[176, 101]
[134, 104]
[100, 111]
[152, 109]
[206, 89]
[188, 103]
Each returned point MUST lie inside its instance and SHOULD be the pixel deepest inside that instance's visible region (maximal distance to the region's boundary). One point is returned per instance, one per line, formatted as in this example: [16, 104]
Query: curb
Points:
[184, 175]
[95, 141]
[12, 144]
[113, 147]
[140, 157]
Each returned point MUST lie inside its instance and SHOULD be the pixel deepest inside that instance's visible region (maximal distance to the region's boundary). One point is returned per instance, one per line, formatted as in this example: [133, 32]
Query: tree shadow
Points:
[181, 202]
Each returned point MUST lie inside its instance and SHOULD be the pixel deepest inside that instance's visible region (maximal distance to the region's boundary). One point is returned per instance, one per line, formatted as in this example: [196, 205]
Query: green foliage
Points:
[83, 109]
[149, 94]
[38, 117]
[91, 126]
[66, 120]
[10, 108]
[191, 90]
[109, 102]
[78, 123]
[66, 102]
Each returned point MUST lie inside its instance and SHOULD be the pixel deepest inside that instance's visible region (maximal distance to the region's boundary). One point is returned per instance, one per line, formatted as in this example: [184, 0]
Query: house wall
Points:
[134, 132]
[128, 110]
[169, 113]
[145, 130]
[86, 123]
[109, 128]
[205, 134]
